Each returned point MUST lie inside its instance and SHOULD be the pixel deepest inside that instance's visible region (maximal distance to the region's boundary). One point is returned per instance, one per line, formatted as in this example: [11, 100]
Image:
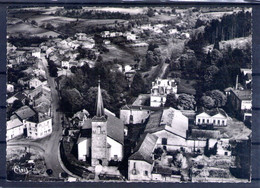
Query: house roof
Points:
[138, 107]
[25, 112]
[13, 123]
[205, 134]
[169, 119]
[144, 149]
[243, 94]
[42, 107]
[115, 128]
[20, 96]
[212, 112]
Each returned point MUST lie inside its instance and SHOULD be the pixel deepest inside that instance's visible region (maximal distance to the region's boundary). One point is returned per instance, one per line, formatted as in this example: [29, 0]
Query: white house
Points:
[216, 117]
[35, 82]
[10, 88]
[135, 114]
[38, 126]
[36, 53]
[14, 128]
[141, 162]
[160, 89]
[170, 126]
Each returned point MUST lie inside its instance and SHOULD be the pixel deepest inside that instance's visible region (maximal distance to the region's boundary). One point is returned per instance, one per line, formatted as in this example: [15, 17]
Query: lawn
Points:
[124, 54]
[187, 86]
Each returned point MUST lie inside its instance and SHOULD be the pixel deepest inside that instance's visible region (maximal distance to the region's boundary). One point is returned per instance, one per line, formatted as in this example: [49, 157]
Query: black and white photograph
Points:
[129, 93]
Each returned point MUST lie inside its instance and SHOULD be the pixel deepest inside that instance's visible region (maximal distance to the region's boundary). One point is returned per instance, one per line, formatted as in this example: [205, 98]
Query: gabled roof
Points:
[115, 128]
[145, 148]
[25, 112]
[84, 135]
[212, 112]
[13, 123]
[140, 107]
[169, 119]
[20, 96]
[243, 94]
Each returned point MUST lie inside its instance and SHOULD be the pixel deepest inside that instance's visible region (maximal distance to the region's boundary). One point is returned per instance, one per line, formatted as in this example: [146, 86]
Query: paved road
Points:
[51, 145]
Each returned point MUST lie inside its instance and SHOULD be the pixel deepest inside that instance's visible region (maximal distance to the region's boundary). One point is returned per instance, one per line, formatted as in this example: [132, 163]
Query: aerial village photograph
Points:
[132, 94]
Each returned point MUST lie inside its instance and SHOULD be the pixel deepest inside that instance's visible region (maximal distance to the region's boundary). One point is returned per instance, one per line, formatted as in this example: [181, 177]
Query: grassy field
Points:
[187, 86]
[123, 54]
[28, 29]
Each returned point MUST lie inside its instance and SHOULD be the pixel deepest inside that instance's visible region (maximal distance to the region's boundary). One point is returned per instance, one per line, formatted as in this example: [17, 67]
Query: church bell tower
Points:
[99, 151]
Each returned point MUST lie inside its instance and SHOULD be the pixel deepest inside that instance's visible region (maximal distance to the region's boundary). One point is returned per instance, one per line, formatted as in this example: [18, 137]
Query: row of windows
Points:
[214, 121]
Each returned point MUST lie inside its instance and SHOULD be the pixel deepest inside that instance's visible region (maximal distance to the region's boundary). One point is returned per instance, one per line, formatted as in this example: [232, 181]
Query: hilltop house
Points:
[160, 89]
[215, 117]
[14, 128]
[101, 138]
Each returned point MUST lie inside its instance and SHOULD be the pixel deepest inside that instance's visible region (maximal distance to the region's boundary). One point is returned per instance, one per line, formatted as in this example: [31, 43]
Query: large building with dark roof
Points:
[101, 138]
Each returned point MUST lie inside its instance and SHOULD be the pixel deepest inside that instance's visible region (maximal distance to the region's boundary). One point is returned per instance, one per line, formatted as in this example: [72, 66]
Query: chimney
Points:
[236, 82]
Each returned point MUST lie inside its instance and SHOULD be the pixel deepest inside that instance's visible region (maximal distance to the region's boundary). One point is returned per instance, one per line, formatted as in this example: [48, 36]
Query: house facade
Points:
[38, 127]
[215, 117]
[141, 162]
[14, 128]
[160, 89]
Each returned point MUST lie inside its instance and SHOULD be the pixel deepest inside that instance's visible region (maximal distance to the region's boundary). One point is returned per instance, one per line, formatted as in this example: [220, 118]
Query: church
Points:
[101, 138]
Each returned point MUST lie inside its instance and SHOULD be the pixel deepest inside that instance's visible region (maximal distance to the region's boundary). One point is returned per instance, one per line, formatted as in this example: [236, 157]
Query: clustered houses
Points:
[160, 89]
[64, 53]
[33, 119]
[170, 130]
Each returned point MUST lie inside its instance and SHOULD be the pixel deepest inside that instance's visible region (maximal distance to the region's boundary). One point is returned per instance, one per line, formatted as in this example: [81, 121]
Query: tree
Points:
[53, 70]
[33, 22]
[152, 46]
[90, 100]
[137, 85]
[186, 102]
[207, 102]
[218, 96]
[150, 12]
[171, 101]
[71, 101]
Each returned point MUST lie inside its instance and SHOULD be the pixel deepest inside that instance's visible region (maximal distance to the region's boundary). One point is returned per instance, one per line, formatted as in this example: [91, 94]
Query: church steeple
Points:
[99, 103]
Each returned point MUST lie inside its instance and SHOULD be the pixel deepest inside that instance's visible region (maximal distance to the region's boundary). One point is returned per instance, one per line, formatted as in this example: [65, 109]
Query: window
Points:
[146, 173]
[131, 118]
[198, 120]
[98, 130]
[164, 141]
[218, 122]
[203, 120]
[214, 121]
[226, 153]
[207, 120]
[115, 157]
[223, 122]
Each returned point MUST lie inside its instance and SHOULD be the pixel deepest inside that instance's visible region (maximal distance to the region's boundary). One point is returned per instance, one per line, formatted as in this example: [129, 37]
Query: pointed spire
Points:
[99, 107]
